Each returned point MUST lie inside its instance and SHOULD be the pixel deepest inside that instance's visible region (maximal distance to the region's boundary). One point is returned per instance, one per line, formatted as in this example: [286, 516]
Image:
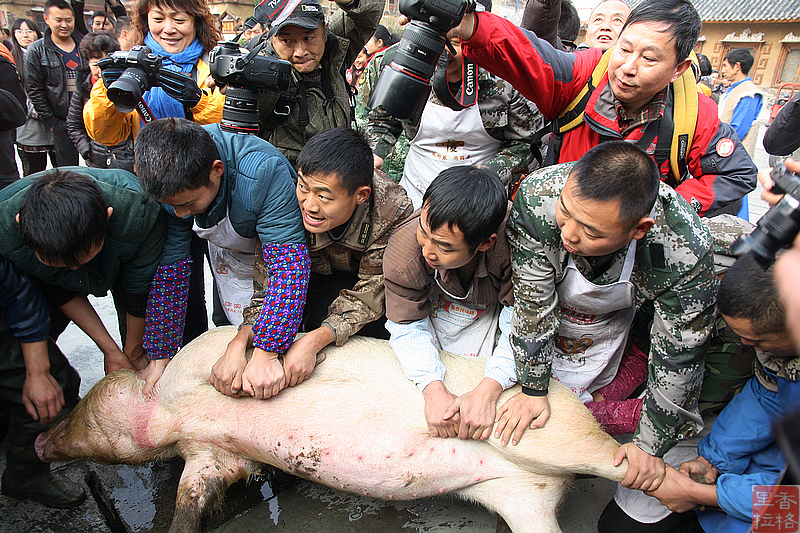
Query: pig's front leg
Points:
[208, 473]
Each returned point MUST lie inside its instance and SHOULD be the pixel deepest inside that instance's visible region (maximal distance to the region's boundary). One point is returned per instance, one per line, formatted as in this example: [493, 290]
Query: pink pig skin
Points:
[356, 425]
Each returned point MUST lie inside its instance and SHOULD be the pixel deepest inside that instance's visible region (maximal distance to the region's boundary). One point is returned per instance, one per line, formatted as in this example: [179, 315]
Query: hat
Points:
[307, 14]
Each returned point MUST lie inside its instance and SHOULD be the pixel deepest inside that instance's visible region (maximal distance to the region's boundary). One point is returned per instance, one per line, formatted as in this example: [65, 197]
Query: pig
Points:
[356, 425]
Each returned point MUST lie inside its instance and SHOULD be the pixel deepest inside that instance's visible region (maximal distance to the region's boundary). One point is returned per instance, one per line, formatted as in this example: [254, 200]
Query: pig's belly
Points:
[383, 451]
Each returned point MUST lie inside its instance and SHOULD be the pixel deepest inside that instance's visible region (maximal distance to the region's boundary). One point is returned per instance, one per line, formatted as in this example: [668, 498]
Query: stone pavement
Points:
[125, 499]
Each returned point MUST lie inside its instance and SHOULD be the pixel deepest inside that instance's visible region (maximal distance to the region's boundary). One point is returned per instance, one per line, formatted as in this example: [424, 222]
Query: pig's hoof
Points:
[45, 489]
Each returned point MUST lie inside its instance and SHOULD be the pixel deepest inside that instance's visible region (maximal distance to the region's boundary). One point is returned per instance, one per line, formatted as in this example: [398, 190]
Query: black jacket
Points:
[22, 305]
[783, 135]
[46, 79]
[96, 154]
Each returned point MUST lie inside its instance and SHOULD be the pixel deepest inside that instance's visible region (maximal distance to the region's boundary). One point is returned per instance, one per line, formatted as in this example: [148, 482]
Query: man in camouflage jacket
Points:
[346, 292]
[505, 114]
[673, 271]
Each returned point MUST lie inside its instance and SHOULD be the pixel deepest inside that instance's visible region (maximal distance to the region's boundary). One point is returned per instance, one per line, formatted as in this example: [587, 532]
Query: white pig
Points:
[356, 425]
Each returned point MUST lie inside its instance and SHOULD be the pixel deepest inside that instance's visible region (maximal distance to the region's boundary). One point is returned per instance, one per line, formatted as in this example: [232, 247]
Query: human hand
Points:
[478, 408]
[437, 401]
[675, 492]
[300, 359]
[377, 161]
[264, 376]
[698, 469]
[519, 413]
[114, 360]
[152, 373]
[645, 472]
[136, 356]
[42, 397]
[226, 374]
[180, 87]
[111, 69]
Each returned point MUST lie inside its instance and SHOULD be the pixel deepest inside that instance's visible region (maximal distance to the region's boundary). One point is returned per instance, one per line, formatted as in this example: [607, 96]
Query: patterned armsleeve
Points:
[166, 310]
[285, 295]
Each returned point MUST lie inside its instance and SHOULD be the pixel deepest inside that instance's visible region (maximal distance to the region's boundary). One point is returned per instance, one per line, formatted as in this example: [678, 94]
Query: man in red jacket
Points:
[637, 91]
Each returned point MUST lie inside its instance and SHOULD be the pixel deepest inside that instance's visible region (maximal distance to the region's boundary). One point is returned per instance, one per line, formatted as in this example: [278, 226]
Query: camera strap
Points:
[144, 111]
[467, 95]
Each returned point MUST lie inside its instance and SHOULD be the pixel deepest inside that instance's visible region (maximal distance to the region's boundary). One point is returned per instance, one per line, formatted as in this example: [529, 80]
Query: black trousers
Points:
[22, 428]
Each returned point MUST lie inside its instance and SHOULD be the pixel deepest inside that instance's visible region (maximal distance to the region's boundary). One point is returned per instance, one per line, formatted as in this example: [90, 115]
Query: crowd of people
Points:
[562, 210]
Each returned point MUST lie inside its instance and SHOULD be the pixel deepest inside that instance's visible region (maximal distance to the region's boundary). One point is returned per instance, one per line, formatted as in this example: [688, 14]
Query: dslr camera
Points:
[141, 68]
[780, 225]
[404, 85]
[246, 74]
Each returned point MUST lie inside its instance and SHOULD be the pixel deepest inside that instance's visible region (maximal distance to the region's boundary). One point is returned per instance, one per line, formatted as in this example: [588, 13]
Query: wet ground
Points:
[125, 499]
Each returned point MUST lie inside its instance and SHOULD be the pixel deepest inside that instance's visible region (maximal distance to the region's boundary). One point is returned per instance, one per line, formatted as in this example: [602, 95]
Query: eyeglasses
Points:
[25, 32]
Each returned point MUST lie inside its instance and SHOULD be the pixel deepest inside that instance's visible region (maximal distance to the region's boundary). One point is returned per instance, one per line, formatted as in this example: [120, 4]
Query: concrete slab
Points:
[27, 516]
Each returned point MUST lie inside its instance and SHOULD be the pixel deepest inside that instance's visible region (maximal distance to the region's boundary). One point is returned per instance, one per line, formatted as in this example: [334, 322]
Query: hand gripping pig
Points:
[356, 425]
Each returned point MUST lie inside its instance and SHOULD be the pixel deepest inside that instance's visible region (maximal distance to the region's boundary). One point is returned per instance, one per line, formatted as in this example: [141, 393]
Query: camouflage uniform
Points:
[506, 116]
[395, 160]
[674, 270]
[359, 250]
[729, 364]
[348, 30]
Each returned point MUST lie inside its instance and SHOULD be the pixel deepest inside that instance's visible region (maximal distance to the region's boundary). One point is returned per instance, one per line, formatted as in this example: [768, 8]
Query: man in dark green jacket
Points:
[80, 231]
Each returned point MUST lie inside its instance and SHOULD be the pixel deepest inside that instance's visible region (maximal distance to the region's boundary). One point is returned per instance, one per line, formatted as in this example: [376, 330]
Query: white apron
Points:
[231, 257]
[459, 328]
[446, 138]
[595, 321]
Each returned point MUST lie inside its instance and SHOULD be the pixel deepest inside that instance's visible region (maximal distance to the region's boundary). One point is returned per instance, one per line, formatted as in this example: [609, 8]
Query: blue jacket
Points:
[257, 189]
[742, 447]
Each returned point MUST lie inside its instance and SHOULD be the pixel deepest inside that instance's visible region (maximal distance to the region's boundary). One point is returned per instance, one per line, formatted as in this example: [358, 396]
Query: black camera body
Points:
[443, 15]
[246, 75]
[140, 74]
[404, 85]
[781, 223]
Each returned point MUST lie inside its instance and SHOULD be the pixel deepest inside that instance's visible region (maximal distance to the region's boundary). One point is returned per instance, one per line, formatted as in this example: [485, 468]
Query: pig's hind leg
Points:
[526, 501]
[208, 473]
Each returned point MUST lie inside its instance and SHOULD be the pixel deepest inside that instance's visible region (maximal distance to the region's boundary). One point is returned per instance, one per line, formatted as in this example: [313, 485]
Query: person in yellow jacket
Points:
[181, 33]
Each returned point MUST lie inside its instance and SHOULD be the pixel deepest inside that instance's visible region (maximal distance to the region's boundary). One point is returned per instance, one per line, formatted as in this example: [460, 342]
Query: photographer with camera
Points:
[320, 53]
[179, 34]
[471, 116]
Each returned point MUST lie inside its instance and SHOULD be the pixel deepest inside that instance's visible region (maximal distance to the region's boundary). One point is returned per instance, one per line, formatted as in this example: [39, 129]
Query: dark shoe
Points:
[45, 489]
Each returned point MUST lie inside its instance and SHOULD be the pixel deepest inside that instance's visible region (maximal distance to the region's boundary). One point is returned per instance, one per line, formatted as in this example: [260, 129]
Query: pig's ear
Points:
[110, 210]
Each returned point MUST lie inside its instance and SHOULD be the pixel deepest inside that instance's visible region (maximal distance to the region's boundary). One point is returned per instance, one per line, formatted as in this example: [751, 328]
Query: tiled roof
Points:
[745, 11]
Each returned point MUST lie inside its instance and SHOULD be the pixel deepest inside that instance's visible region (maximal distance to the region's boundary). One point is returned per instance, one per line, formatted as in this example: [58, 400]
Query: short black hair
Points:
[63, 216]
[98, 44]
[705, 64]
[104, 14]
[680, 17]
[60, 4]
[748, 291]
[470, 198]
[382, 34]
[741, 56]
[618, 171]
[122, 24]
[339, 151]
[569, 26]
[173, 155]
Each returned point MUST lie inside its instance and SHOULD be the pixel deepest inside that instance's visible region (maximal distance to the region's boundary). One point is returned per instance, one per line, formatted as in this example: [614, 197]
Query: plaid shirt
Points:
[652, 111]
